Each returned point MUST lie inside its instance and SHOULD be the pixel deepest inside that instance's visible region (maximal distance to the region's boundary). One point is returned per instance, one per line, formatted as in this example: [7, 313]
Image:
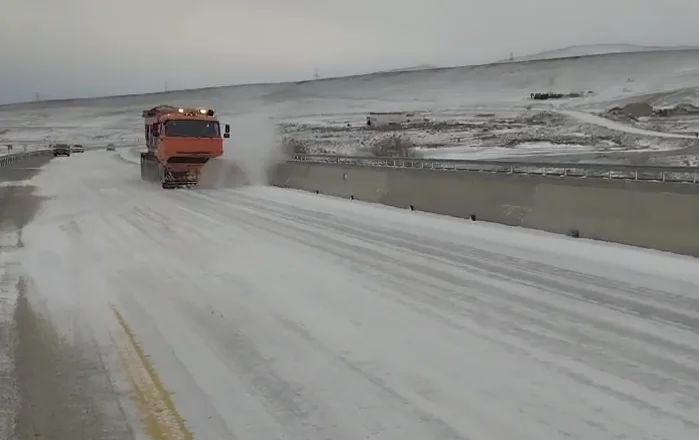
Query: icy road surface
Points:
[613, 125]
[274, 314]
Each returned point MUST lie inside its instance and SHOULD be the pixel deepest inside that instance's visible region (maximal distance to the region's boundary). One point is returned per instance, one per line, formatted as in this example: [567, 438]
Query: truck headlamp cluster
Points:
[181, 110]
[192, 112]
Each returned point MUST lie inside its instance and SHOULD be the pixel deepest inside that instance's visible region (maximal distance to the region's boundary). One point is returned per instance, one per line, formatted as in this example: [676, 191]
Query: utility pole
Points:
[38, 96]
[165, 86]
[315, 74]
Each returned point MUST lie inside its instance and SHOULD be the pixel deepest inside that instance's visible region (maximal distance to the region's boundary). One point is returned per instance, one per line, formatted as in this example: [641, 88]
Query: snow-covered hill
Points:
[490, 102]
[596, 49]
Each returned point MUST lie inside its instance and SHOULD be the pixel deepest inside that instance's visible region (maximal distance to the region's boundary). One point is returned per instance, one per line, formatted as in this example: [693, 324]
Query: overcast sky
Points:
[77, 48]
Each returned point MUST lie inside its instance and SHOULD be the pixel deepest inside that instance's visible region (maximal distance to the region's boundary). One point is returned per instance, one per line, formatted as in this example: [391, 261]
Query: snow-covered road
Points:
[273, 314]
[593, 119]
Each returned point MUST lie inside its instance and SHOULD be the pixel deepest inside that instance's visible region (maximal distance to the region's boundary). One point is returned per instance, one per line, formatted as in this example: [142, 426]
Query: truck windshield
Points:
[191, 129]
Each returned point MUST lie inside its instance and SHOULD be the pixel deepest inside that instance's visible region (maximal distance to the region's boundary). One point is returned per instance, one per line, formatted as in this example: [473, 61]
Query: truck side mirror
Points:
[227, 131]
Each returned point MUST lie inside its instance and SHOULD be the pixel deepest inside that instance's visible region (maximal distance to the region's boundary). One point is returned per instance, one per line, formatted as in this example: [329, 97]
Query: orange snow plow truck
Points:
[180, 141]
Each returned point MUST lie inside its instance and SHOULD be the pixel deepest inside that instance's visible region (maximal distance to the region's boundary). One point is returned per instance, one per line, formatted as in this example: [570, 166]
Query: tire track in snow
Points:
[17, 207]
[9, 395]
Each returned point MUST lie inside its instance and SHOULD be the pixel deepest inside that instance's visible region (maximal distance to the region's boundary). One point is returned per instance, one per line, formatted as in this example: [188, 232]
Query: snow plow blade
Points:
[186, 177]
[175, 185]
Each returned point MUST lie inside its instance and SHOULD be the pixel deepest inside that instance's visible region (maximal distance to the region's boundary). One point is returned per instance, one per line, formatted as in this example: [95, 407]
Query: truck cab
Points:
[184, 137]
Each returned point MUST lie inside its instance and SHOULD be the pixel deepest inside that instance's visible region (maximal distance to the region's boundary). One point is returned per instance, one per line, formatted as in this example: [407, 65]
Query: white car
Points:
[111, 147]
[77, 148]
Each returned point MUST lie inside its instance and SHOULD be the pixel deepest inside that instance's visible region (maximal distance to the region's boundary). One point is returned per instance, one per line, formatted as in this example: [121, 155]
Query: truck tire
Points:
[144, 167]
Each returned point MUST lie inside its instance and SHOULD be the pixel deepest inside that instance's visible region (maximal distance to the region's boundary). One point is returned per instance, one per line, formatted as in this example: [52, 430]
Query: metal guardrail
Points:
[12, 159]
[18, 145]
[559, 169]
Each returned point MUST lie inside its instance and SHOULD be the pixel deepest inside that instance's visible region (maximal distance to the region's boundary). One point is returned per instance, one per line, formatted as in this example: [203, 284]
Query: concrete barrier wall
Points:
[662, 216]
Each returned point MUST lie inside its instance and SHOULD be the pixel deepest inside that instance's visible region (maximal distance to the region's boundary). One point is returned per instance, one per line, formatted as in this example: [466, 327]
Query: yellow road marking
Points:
[159, 414]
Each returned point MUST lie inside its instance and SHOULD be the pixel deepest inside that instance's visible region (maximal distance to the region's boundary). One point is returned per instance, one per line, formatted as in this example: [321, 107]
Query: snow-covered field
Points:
[484, 110]
[129, 312]
[262, 313]
[4, 151]
[595, 49]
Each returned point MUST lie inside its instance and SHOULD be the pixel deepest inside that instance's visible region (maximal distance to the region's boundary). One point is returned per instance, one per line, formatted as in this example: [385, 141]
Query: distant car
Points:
[61, 150]
[77, 148]
[111, 147]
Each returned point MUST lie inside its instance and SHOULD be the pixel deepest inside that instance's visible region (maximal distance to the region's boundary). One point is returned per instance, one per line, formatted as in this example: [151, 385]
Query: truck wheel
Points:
[145, 168]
